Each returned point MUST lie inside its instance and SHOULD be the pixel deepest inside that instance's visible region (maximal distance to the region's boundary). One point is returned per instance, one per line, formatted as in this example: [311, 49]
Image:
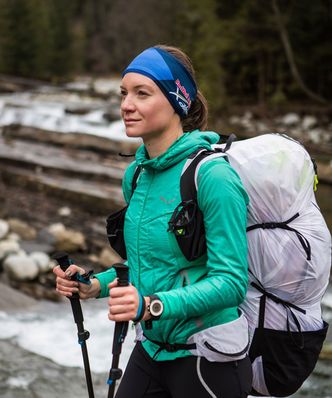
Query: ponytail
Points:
[197, 117]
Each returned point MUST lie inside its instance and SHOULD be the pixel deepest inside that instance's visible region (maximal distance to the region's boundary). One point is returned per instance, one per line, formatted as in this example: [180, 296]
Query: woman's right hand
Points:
[66, 287]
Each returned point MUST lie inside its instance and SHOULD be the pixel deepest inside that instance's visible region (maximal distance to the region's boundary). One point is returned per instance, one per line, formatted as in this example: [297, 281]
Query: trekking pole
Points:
[64, 261]
[120, 332]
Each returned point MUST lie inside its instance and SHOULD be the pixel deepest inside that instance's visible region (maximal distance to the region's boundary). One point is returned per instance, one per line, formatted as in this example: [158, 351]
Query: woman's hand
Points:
[66, 287]
[123, 303]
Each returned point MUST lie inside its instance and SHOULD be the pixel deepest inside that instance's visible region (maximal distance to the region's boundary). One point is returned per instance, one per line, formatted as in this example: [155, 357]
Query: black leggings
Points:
[184, 377]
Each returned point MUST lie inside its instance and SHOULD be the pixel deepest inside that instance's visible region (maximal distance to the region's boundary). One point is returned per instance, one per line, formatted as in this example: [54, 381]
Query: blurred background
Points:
[264, 66]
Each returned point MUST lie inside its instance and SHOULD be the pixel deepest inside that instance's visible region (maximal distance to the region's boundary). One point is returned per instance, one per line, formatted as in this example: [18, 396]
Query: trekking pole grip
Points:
[63, 260]
[122, 273]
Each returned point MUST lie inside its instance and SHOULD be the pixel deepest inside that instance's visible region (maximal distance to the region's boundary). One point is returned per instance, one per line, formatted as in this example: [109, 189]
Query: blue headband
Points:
[169, 74]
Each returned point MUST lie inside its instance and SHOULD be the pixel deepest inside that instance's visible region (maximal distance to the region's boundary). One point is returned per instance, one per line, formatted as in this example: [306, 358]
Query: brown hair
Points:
[198, 113]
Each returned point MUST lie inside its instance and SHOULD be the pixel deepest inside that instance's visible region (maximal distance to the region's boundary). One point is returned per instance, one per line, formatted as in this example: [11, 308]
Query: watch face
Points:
[156, 308]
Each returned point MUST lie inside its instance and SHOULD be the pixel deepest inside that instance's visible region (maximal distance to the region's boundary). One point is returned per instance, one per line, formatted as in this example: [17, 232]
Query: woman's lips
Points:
[131, 121]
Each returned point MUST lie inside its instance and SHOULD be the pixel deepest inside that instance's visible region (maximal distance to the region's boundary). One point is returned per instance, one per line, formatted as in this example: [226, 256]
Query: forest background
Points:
[271, 55]
[265, 63]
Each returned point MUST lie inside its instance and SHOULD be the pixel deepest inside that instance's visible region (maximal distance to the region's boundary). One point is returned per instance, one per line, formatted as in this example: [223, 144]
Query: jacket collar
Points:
[179, 150]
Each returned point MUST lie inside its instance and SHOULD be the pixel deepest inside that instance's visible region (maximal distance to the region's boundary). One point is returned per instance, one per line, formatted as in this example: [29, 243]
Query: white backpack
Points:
[289, 255]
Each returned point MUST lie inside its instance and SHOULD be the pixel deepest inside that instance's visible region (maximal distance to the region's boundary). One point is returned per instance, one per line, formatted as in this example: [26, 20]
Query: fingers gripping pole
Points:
[120, 332]
[64, 261]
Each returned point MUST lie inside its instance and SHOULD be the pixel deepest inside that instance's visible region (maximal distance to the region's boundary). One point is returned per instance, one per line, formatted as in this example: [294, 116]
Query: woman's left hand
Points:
[123, 302]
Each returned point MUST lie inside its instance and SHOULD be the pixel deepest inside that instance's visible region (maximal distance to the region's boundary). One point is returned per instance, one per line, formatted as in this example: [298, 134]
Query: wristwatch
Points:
[155, 308]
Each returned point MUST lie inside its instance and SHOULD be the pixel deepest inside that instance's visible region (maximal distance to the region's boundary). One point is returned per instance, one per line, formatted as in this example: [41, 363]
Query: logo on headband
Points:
[182, 96]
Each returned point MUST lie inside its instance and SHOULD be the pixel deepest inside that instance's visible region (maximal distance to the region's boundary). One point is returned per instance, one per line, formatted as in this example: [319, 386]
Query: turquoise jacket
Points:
[198, 294]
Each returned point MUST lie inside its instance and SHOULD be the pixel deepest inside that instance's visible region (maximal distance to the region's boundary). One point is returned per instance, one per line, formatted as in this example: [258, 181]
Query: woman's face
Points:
[145, 110]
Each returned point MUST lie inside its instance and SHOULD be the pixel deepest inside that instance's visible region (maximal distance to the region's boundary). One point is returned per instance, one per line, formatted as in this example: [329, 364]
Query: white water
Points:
[46, 110]
[50, 331]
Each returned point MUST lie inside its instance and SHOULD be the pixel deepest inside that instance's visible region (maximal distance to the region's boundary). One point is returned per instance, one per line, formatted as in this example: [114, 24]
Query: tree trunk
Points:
[290, 57]
[261, 79]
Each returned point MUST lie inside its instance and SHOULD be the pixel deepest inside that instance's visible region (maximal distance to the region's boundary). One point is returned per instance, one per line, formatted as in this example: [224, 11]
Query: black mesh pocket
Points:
[286, 365]
[187, 225]
[114, 228]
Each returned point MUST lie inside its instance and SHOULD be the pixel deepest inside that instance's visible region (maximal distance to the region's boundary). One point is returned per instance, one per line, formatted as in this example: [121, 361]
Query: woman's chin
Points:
[133, 133]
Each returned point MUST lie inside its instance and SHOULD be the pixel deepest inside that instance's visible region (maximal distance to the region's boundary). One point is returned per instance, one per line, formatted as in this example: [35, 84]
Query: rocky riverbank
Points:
[60, 176]
[26, 254]
[26, 375]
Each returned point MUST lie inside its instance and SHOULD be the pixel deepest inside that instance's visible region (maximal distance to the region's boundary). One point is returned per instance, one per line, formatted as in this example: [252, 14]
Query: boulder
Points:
[64, 211]
[315, 135]
[67, 240]
[22, 229]
[12, 236]
[20, 267]
[8, 247]
[4, 228]
[291, 119]
[235, 119]
[42, 260]
[309, 122]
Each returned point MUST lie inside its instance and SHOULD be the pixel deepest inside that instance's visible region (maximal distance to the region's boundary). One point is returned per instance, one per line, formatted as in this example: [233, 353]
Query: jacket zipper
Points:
[139, 228]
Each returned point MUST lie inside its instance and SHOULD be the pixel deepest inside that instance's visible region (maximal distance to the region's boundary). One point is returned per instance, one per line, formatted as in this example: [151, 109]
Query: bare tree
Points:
[290, 55]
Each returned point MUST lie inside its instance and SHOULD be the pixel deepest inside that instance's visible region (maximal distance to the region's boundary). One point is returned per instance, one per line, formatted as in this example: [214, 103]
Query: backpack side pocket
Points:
[114, 229]
[188, 227]
[284, 364]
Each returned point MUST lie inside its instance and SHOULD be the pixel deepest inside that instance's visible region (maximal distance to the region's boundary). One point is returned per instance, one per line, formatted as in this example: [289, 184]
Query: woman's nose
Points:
[127, 104]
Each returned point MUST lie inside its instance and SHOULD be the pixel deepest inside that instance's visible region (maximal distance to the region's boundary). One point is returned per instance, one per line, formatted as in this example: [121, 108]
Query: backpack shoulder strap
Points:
[135, 178]
[188, 180]
[188, 187]
[187, 219]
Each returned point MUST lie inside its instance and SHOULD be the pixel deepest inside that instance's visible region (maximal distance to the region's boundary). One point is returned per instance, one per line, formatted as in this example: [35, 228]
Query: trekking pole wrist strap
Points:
[141, 309]
[84, 278]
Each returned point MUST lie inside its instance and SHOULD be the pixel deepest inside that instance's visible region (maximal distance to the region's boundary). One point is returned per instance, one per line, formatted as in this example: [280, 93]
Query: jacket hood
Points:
[179, 150]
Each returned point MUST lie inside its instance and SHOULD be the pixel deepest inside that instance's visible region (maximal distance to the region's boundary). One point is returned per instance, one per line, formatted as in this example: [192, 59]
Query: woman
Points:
[194, 343]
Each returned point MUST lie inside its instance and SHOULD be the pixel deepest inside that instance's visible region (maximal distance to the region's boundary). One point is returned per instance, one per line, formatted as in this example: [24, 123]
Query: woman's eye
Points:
[142, 93]
[123, 93]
